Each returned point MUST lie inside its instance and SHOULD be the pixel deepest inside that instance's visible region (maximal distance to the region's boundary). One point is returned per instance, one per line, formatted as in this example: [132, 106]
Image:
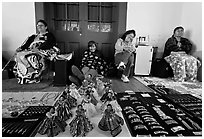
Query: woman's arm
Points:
[131, 48]
[84, 61]
[170, 45]
[119, 46]
[186, 45]
[27, 43]
[50, 41]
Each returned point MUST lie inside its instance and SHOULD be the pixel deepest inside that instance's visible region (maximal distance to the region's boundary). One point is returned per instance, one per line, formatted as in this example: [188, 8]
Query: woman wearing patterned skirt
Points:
[177, 53]
[31, 56]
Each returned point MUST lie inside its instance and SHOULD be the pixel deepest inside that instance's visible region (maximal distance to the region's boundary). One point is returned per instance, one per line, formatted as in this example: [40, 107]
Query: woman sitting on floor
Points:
[93, 60]
[30, 57]
[124, 57]
[177, 54]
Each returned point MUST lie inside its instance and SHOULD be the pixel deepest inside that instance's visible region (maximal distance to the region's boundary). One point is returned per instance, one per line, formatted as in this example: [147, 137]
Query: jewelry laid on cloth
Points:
[147, 115]
[123, 98]
[177, 128]
[130, 111]
[153, 123]
[156, 127]
[140, 127]
[128, 108]
[194, 124]
[184, 123]
[135, 120]
[170, 122]
[136, 102]
[143, 112]
[133, 98]
[160, 132]
[133, 116]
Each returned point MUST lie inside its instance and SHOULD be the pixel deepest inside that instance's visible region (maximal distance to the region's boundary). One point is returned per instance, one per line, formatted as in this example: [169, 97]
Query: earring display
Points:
[146, 115]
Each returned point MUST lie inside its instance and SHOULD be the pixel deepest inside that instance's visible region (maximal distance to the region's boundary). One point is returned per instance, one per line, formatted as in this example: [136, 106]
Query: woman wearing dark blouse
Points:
[93, 60]
[30, 57]
[177, 54]
[177, 43]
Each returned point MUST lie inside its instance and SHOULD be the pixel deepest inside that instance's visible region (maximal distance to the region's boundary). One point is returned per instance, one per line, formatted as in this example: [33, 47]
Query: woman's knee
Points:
[131, 59]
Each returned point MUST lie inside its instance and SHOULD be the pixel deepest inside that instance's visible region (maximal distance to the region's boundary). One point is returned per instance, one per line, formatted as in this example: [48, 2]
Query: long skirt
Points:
[29, 67]
[52, 126]
[184, 66]
[111, 123]
[80, 126]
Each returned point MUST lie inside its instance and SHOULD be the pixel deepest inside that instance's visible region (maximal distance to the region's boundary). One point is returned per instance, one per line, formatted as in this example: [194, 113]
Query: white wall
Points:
[191, 19]
[158, 19]
[18, 22]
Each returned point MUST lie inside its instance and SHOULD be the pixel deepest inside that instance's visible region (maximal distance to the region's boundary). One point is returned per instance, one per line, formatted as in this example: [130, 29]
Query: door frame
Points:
[120, 16]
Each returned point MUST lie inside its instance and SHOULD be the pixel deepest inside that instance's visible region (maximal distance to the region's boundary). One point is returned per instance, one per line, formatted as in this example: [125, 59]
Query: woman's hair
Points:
[180, 27]
[43, 21]
[128, 32]
[90, 43]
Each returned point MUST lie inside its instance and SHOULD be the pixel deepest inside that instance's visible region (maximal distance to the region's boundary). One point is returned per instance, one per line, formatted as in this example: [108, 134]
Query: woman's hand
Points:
[179, 44]
[129, 49]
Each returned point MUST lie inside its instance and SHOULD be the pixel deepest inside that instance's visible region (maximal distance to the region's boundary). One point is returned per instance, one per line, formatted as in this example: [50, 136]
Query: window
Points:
[66, 16]
[100, 16]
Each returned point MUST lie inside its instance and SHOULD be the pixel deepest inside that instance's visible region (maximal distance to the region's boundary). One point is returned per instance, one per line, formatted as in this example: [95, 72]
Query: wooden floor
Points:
[118, 86]
[134, 85]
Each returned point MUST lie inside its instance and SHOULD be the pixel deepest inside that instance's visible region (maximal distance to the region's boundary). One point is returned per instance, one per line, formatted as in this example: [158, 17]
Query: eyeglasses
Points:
[40, 25]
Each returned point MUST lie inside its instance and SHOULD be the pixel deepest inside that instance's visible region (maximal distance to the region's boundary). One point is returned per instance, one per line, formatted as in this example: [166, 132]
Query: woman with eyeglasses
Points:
[30, 57]
[124, 57]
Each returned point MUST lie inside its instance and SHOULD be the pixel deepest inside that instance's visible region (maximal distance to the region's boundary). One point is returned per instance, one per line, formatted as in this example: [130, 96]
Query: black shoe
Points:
[76, 81]
[77, 73]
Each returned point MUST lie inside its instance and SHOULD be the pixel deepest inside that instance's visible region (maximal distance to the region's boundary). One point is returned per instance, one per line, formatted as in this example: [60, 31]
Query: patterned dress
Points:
[93, 60]
[63, 109]
[52, 125]
[110, 99]
[89, 107]
[70, 100]
[184, 66]
[80, 125]
[111, 122]
[30, 61]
